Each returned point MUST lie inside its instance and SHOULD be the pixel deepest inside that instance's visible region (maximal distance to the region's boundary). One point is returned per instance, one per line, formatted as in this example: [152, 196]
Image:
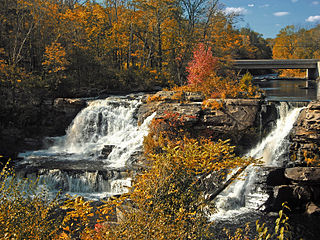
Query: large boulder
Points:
[303, 174]
[50, 118]
[60, 114]
[298, 186]
[69, 105]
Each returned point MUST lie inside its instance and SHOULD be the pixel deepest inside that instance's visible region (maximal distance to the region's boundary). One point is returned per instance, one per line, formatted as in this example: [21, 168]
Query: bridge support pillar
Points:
[313, 73]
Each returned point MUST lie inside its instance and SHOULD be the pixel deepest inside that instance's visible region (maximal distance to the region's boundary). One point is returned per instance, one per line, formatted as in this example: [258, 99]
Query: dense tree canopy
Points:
[297, 43]
[95, 45]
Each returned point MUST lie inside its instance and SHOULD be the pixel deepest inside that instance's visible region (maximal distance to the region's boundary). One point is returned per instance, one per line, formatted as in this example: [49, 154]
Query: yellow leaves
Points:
[22, 216]
[67, 228]
[293, 43]
[212, 104]
[55, 60]
[311, 158]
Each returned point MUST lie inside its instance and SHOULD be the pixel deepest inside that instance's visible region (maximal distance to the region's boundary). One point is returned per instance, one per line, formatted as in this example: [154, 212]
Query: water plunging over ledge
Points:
[92, 159]
[243, 195]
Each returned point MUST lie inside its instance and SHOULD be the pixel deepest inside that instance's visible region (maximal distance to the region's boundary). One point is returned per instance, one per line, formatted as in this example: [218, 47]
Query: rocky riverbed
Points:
[243, 121]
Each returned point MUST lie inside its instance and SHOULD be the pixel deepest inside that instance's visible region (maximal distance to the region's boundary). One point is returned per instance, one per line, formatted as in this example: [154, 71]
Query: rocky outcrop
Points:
[69, 106]
[305, 136]
[63, 112]
[298, 186]
[240, 120]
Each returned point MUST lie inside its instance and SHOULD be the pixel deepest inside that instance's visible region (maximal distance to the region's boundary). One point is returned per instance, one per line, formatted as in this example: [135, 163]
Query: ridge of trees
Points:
[296, 43]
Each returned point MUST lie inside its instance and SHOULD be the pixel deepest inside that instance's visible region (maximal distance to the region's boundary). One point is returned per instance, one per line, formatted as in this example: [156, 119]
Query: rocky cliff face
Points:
[305, 136]
[48, 119]
[298, 186]
[243, 121]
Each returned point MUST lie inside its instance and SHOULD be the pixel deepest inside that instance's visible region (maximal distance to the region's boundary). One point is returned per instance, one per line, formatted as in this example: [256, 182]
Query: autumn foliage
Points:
[296, 43]
[202, 66]
[212, 77]
[26, 212]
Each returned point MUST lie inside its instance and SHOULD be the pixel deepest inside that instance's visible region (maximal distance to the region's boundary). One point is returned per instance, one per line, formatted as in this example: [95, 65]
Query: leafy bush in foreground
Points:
[25, 212]
[167, 200]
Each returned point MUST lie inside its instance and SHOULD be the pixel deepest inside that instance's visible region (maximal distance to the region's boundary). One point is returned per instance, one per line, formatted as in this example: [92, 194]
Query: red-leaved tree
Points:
[202, 66]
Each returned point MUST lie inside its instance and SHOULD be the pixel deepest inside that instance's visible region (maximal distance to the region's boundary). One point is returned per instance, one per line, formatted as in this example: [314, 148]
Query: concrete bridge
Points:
[311, 65]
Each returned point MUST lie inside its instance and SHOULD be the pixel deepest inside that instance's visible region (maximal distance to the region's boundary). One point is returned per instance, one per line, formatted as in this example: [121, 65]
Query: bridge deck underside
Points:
[273, 67]
[277, 64]
[312, 65]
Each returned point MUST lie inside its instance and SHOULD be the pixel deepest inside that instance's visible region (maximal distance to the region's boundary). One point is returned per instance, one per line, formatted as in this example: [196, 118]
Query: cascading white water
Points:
[274, 145]
[109, 122]
[240, 197]
[105, 133]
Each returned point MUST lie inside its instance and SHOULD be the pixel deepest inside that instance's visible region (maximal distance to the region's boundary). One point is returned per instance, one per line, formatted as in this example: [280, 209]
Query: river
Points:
[284, 89]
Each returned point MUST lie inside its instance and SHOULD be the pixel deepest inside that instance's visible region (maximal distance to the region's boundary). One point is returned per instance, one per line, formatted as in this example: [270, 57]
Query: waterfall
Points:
[242, 195]
[103, 138]
[275, 144]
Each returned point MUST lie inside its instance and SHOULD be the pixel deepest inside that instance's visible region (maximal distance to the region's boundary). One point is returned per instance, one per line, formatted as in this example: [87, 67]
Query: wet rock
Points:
[313, 209]
[33, 143]
[57, 162]
[303, 193]
[70, 107]
[194, 96]
[283, 194]
[55, 118]
[276, 177]
[303, 174]
[237, 119]
[106, 150]
[305, 136]
[300, 186]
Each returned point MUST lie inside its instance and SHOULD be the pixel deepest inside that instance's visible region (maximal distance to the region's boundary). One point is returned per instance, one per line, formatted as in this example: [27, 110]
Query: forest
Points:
[65, 48]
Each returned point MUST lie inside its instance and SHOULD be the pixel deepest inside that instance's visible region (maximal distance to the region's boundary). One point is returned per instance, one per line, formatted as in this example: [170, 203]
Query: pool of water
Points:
[291, 90]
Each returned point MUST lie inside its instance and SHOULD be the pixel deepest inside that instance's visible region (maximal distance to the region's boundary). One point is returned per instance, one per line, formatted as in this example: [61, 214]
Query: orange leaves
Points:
[311, 159]
[55, 63]
[55, 58]
[296, 43]
[212, 104]
[25, 211]
[285, 43]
